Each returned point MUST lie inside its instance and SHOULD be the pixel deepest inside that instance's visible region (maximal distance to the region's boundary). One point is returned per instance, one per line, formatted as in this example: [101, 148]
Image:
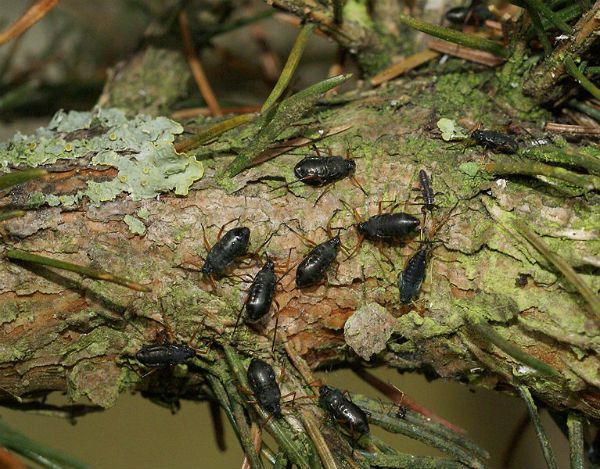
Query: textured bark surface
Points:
[61, 333]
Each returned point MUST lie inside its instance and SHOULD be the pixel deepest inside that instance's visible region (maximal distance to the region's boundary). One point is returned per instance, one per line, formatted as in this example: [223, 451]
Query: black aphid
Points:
[232, 245]
[261, 293]
[344, 410]
[321, 170]
[411, 278]
[263, 383]
[474, 14]
[426, 191]
[388, 226]
[313, 267]
[164, 355]
[495, 141]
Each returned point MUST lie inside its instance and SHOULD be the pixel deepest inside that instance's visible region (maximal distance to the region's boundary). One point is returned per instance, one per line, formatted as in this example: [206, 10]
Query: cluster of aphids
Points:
[233, 245]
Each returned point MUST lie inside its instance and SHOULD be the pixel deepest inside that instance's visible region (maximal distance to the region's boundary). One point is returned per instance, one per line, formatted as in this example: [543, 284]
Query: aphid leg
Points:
[207, 245]
[303, 238]
[223, 227]
[358, 219]
[202, 325]
[357, 184]
[328, 229]
[276, 325]
[327, 189]
[237, 321]
[387, 258]
[167, 326]
[148, 373]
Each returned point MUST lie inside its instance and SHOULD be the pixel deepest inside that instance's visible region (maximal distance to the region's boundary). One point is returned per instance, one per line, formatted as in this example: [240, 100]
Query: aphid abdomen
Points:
[344, 410]
[156, 356]
[260, 295]
[319, 170]
[388, 226]
[411, 278]
[263, 383]
[426, 190]
[233, 244]
[313, 267]
[495, 141]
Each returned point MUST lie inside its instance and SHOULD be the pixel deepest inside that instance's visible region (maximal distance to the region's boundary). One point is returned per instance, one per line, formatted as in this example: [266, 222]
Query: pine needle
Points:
[454, 36]
[576, 440]
[17, 255]
[581, 78]
[290, 66]
[539, 429]
[34, 14]
[19, 177]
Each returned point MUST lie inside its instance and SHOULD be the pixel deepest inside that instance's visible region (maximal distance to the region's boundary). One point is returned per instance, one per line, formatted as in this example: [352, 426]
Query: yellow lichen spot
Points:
[146, 170]
[123, 179]
[112, 136]
[68, 147]
[31, 146]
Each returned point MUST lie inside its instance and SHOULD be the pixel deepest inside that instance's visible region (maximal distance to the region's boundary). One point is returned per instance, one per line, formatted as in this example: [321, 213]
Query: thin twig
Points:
[539, 429]
[240, 421]
[312, 428]
[277, 431]
[576, 440]
[35, 13]
[409, 63]
[539, 29]
[196, 67]
[467, 53]
[571, 129]
[402, 399]
[17, 255]
[257, 440]
[290, 66]
[424, 431]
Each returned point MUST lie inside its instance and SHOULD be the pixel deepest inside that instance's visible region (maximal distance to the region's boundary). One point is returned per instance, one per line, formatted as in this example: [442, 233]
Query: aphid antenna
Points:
[443, 221]
[287, 185]
[237, 321]
[358, 184]
[303, 238]
[357, 218]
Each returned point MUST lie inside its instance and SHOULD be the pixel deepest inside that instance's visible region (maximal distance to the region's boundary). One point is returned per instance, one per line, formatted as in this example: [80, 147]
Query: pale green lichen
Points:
[450, 130]
[140, 148]
[143, 213]
[135, 225]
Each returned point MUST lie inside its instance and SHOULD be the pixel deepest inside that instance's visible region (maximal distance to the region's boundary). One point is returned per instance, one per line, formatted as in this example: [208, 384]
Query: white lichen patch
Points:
[368, 330]
[140, 148]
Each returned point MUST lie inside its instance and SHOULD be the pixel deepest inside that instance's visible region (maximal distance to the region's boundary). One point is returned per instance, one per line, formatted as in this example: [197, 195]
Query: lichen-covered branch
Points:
[104, 204]
[546, 80]
[371, 36]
